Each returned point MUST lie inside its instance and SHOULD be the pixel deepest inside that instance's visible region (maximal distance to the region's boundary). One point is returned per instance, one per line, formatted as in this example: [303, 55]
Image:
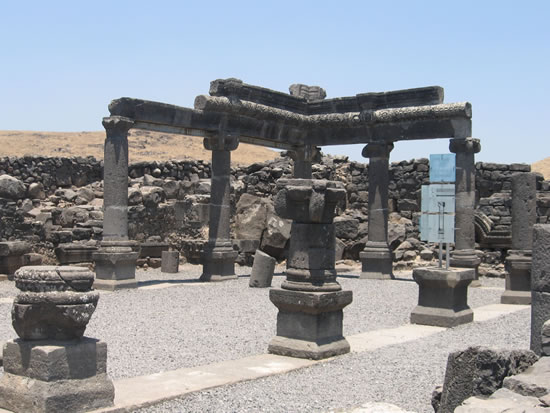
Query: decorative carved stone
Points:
[52, 368]
[54, 302]
[309, 93]
[310, 300]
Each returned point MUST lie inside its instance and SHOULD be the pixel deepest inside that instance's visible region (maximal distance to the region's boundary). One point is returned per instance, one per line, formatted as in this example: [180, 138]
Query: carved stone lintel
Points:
[117, 125]
[221, 142]
[309, 93]
[467, 145]
[377, 150]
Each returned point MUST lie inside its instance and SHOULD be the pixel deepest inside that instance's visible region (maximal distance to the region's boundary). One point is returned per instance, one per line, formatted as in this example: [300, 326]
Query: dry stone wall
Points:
[50, 201]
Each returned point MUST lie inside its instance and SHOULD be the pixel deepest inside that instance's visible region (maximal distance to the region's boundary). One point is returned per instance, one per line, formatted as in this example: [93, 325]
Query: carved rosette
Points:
[221, 142]
[55, 302]
[377, 150]
[465, 145]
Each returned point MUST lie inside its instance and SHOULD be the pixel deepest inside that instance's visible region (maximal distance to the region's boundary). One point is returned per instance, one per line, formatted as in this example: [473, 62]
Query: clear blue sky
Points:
[62, 62]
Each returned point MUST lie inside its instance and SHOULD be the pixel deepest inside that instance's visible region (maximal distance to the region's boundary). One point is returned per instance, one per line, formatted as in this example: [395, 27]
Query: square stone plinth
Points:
[518, 280]
[55, 376]
[443, 296]
[376, 263]
[115, 270]
[309, 324]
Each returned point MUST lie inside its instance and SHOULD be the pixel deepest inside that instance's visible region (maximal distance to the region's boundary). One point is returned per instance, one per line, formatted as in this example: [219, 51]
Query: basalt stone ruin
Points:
[52, 367]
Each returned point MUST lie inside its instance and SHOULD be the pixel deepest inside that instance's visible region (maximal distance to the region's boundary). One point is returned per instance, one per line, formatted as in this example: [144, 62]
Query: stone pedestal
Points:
[55, 376]
[262, 270]
[115, 265]
[518, 278]
[376, 258]
[310, 300]
[218, 257]
[170, 262]
[52, 367]
[540, 284]
[518, 260]
[464, 255]
[443, 296]
[72, 253]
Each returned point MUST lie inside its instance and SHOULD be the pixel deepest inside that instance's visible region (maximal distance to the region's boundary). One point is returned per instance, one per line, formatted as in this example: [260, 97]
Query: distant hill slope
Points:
[542, 166]
[144, 146]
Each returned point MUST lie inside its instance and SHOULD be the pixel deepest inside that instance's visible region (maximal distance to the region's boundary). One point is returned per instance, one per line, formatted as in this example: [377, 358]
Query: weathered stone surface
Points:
[152, 196]
[262, 270]
[74, 253]
[36, 191]
[275, 235]
[11, 187]
[540, 276]
[524, 210]
[170, 261]
[376, 407]
[442, 297]
[479, 371]
[251, 217]
[533, 381]
[545, 339]
[540, 313]
[52, 376]
[346, 227]
[502, 401]
[8, 248]
[55, 302]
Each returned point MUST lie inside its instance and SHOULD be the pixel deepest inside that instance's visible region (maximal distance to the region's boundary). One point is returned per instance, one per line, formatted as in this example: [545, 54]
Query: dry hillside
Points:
[144, 146]
[542, 166]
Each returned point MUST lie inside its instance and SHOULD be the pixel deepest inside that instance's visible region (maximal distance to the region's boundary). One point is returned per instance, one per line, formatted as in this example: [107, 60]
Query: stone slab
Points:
[535, 381]
[113, 285]
[503, 400]
[516, 297]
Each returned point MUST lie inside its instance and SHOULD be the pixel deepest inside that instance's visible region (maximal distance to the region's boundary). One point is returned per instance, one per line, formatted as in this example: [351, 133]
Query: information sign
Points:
[443, 168]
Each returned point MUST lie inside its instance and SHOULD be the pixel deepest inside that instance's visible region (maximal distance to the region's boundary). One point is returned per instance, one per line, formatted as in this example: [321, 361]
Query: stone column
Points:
[116, 260]
[310, 300]
[218, 257]
[518, 261]
[376, 256]
[464, 253]
[540, 284]
[52, 367]
[303, 157]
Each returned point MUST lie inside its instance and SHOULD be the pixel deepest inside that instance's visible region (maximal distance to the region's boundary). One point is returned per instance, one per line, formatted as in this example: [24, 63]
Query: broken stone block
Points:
[480, 371]
[12, 256]
[502, 401]
[262, 270]
[73, 253]
[170, 261]
[533, 381]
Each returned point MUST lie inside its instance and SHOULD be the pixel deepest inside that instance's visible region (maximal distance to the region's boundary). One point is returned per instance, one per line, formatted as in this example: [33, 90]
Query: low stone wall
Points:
[59, 200]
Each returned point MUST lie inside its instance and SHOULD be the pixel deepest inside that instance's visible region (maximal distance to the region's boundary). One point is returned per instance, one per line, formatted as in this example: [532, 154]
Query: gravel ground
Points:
[192, 324]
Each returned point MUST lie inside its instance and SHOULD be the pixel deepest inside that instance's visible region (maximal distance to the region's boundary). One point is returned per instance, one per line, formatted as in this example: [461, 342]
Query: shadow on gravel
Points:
[154, 282]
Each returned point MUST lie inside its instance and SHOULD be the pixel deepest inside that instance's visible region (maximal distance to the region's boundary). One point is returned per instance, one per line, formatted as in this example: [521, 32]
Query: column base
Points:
[115, 265]
[55, 376]
[309, 324]
[218, 264]
[442, 297]
[518, 278]
[376, 262]
[466, 259]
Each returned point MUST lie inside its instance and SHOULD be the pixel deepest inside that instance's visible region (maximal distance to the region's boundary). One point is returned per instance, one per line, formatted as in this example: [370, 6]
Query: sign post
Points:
[438, 205]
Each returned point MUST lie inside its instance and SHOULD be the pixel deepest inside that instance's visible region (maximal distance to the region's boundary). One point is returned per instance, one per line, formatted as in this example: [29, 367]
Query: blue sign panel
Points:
[443, 167]
[437, 221]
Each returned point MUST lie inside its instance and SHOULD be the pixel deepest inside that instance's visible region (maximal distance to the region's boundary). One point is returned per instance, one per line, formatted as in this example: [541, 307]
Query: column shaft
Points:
[376, 257]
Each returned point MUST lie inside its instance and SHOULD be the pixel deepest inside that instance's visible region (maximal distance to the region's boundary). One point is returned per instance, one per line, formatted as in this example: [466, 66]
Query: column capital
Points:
[117, 125]
[466, 145]
[306, 153]
[377, 150]
[219, 142]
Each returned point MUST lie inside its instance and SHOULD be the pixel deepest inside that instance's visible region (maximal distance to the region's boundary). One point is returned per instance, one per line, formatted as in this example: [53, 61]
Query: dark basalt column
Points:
[540, 284]
[218, 257]
[115, 262]
[303, 158]
[376, 257]
[52, 367]
[310, 300]
[518, 261]
[464, 255]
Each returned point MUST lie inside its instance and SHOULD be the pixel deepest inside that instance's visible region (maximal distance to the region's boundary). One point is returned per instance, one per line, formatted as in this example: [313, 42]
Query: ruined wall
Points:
[61, 199]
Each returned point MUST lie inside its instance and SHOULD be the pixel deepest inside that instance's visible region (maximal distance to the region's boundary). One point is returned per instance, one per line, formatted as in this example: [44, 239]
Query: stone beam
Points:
[269, 126]
[236, 89]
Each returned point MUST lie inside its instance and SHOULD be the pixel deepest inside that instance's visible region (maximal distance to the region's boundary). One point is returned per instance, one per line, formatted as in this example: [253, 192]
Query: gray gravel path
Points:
[192, 324]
